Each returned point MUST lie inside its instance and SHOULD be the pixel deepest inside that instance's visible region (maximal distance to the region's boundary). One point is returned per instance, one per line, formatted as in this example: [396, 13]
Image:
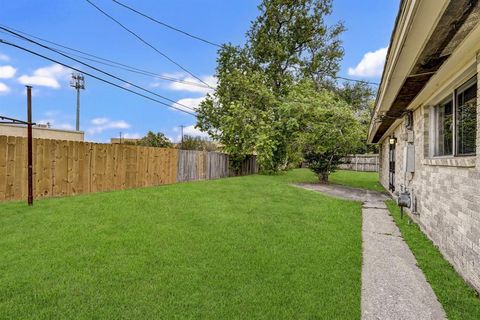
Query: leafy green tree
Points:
[287, 43]
[360, 97]
[197, 143]
[334, 131]
[290, 41]
[152, 139]
[324, 127]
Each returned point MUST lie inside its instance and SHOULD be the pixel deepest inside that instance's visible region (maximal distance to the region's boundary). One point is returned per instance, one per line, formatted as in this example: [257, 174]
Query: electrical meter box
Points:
[410, 158]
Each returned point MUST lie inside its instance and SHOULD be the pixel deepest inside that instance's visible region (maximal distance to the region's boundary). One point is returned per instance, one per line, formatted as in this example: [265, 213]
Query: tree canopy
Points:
[152, 139]
[287, 43]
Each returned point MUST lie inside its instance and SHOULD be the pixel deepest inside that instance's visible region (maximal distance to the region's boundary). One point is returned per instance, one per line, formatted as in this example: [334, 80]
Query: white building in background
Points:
[41, 132]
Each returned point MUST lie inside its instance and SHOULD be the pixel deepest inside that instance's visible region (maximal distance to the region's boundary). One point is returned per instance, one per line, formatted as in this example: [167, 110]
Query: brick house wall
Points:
[446, 192]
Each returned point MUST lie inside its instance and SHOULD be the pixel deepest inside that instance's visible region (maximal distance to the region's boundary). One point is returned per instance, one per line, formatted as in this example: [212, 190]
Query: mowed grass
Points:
[361, 180]
[239, 248]
[459, 301]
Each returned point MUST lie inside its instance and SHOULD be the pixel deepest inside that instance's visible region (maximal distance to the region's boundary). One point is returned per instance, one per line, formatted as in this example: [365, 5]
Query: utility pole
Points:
[30, 146]
[120, 137]
[78, 82]
[181, 128]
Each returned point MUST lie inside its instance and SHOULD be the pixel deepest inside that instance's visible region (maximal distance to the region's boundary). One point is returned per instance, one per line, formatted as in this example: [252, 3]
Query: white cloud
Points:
[50, 76]
[99, 121]
[102, 124]
[7, 72]
[4, 57]
[190, 84]
[371, 65]
[189, 103]
[132, 136]
[188, 131]
[4, 88]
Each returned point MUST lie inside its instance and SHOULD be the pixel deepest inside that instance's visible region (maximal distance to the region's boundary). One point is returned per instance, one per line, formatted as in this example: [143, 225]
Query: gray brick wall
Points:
[447, 192]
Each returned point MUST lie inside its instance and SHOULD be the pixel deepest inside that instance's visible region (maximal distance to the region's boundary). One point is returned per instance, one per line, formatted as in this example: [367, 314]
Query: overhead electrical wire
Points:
[208, 41]
[167, 25]
[93, 67]
[129, 68]
[93, 76]
[109, 62]
[104, 72]
[355, 80]
[146, 42]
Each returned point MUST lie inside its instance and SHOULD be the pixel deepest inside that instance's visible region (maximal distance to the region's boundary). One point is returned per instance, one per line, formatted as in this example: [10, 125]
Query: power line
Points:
[147, 43]
[359, 81]
[167, 25]
[129, 68]
[109, 62]
[94, 68]
[93, 76]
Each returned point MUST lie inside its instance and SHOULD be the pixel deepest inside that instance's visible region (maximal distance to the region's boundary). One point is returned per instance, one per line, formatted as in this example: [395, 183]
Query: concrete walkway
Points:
[393, 287]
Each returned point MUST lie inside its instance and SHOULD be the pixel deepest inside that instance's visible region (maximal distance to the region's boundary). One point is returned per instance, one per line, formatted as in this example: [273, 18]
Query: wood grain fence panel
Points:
[102, 173]
[19, 187]
[56, 173]
[10, 193]
[3, 166]
[47, 174]
[109, 167]
[361, 162]
[74, 168]
[124, 154]
[70, 173]
[102, 181]
[166, 163]
[154, 166]
[172, 167]
[37, 166]
[61, 168]
[146, 173]
[147, 181]
[93, 168]
[83, 168]
[52, 146]
[97, 167]
[131, 167]
[117, 162]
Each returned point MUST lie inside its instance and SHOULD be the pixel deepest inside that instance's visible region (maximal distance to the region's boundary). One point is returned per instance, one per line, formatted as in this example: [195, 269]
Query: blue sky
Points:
[107, 111]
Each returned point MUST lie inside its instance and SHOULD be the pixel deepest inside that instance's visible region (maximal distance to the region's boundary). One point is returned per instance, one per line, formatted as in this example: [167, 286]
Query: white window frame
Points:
[433, 121]
[435, 129]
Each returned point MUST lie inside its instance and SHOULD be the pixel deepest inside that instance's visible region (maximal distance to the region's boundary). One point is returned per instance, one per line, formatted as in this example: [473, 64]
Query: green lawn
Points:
[238, 248]
[362, 180]
[458, 299]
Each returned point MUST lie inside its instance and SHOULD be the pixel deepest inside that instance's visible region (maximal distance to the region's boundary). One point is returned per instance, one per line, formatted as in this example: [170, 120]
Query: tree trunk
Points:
[323, 177]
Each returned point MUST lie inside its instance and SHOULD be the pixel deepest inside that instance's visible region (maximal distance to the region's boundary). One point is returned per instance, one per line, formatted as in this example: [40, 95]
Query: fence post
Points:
[30, 146]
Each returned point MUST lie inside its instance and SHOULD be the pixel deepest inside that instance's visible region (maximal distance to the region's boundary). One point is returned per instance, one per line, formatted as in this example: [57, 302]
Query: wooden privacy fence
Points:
[64, 168]
[361, 162]
[197, 165]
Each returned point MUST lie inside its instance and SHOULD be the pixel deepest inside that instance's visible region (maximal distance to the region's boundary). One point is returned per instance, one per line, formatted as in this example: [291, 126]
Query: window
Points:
[443, 118]
[455, 123]
[466, 119]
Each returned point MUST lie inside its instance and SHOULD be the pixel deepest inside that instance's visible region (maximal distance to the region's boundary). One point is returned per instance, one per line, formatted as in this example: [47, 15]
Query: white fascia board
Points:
[414, 32]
